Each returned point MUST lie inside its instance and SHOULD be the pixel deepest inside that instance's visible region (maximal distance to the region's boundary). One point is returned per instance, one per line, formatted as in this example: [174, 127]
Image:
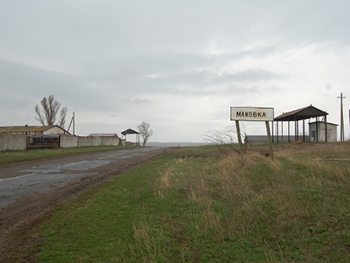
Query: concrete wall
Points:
[68, 141]
[84, 141]
[111, 141]
[13, 142]
[96, 141]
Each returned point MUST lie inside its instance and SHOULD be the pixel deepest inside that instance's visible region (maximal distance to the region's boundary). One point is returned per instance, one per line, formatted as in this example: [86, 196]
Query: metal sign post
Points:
[252, 114]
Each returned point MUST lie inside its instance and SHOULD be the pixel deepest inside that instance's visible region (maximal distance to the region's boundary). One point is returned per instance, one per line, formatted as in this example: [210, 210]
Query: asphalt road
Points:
[34, 177]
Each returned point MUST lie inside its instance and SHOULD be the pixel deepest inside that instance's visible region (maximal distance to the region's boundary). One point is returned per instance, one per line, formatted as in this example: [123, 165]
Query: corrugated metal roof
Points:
[9, 129]
[301, 114]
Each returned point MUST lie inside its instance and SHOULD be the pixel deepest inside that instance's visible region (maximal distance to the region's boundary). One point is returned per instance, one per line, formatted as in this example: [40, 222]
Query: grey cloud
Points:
[125, 58]
[254, 74]
[92, 29]
[206, 82]
[17, 77]
[171, 73]
[135, 101]
[25, 82]
[297, 23]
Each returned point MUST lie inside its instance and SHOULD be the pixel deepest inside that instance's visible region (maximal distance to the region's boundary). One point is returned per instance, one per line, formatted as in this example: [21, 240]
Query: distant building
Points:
[38, 136]
[295, 117]
[256, 139]
[316, 134]
[317, 131]
[34, 130]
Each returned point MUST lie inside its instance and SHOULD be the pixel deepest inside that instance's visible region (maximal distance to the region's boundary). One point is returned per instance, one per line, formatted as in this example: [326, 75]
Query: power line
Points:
[332, 107]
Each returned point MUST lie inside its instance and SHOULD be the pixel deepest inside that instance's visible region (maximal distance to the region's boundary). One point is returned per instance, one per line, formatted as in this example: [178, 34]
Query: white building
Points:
[33, 130]
[317, 131]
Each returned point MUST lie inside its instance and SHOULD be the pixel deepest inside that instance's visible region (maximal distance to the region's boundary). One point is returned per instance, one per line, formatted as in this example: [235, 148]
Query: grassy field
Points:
[29, 155]
[203, 205]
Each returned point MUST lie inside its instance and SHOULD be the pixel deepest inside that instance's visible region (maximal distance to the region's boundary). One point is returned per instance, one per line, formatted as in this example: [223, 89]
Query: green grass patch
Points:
[29, 155]
[199, 205]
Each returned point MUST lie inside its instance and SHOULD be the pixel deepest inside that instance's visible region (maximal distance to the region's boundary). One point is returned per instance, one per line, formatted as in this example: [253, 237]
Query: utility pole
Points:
[72, 121]
[341, 117]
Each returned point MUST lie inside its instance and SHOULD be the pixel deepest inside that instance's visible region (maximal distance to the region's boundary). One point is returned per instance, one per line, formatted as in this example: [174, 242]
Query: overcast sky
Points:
[179, 65]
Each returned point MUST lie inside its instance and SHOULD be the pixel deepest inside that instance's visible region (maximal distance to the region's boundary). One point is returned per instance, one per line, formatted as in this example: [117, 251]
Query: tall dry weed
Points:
[259, 189]
[331, 170]
[164, 183]
[331, 150]
[199, 193]
[147, 243]
[236, 180]
[285, 204]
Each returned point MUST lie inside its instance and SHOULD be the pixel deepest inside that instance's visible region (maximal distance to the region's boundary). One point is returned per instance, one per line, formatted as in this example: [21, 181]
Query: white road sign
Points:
[251, 114]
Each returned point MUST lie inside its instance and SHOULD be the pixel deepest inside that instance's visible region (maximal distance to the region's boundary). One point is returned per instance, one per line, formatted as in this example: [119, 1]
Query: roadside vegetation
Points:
[202, 205]
[29, 155]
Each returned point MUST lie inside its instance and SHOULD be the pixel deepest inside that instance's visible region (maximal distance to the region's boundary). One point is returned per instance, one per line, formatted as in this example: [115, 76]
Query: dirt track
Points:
[19, 219]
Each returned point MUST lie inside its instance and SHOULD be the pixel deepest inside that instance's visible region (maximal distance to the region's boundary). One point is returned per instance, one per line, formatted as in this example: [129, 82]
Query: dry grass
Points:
[163, 184]
[200, 205]
[277, 200]
[147, 243]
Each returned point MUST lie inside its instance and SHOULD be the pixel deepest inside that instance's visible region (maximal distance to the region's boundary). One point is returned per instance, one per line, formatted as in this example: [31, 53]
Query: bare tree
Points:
[145, 131]
[48, 114]
[62, 119]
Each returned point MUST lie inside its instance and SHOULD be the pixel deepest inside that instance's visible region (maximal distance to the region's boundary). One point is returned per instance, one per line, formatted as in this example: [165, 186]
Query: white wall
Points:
[84, 141]
[13, 142]
[111, 141]
[96, 141]
[68, 141]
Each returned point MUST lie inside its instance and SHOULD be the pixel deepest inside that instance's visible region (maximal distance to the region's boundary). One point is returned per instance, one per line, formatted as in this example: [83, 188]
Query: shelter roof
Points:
[301, 114]
[26, 128]
[129, 131]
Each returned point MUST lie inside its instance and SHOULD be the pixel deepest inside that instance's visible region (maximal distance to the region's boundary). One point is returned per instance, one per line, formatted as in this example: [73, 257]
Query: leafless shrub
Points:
[226, 140]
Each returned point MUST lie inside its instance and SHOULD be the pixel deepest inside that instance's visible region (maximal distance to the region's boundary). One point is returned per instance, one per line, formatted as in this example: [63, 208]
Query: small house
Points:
[317, 131]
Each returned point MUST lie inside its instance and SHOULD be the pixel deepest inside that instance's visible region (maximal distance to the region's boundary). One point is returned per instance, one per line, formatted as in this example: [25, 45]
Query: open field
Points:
[202, 205]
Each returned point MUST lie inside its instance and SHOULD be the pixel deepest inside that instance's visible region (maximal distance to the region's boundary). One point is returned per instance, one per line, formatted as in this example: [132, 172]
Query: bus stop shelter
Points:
[296, 116]
[131, 131]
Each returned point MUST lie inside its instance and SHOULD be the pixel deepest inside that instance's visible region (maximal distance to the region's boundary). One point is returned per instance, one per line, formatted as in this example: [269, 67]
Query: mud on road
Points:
[19, 219]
